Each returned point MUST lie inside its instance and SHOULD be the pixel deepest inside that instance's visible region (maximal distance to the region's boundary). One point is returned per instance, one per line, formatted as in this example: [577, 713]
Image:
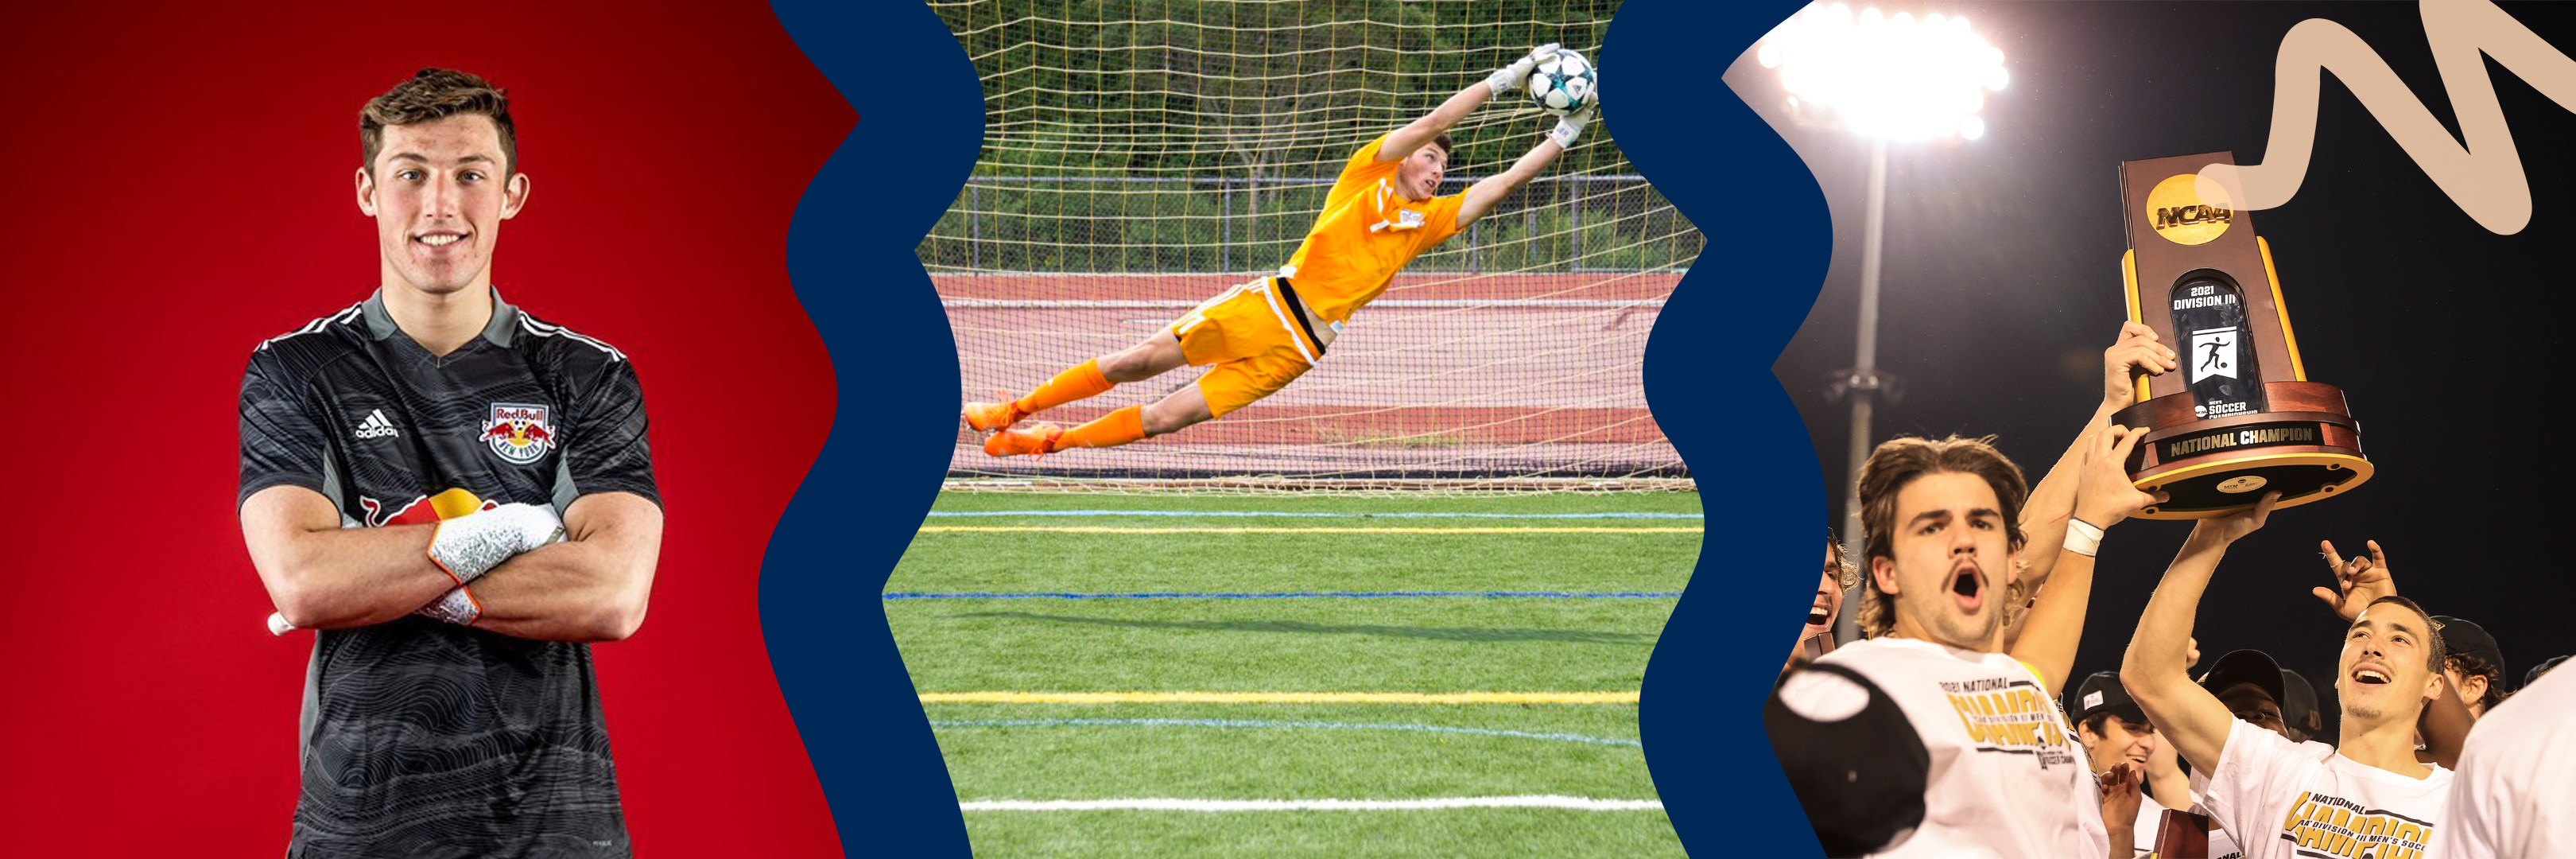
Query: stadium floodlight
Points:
[1883, 77]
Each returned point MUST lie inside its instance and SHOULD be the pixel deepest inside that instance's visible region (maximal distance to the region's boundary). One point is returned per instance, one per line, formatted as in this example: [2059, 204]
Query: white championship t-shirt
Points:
[2515, 794]
[2151, 818]
[2007, 778]
[2285, 800]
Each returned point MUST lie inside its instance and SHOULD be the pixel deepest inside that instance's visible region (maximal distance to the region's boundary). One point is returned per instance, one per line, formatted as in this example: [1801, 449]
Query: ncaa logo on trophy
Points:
[2242, 419]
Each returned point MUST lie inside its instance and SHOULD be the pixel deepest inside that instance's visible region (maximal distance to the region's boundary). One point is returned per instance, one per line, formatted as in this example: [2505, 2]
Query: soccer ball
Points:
[1564, 83]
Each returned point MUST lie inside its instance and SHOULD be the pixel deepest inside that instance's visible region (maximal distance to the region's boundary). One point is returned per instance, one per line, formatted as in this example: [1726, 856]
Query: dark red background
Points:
[178, 188]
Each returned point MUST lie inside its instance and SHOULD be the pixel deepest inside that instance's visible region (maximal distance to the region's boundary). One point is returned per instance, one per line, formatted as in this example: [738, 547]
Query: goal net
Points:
[1142, 156]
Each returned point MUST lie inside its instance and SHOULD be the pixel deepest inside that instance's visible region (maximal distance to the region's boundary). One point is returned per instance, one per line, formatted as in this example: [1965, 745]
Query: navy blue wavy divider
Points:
[1709, 382]
[850, 252]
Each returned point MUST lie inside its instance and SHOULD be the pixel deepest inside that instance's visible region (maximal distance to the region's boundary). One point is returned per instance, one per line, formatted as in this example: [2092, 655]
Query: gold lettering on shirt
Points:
[2344, 829]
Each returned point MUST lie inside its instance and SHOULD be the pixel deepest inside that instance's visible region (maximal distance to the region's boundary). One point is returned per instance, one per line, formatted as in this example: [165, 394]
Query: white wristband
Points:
[2083, 538]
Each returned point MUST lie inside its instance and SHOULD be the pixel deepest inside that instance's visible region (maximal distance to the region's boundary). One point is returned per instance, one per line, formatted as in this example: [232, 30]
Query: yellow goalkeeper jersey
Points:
[1366, 233]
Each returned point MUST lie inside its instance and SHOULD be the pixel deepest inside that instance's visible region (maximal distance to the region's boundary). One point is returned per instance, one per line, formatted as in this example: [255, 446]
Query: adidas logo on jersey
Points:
[376, 426]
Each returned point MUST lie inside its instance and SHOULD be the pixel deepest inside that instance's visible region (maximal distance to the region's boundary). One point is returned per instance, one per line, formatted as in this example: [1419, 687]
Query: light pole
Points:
[1884, 78]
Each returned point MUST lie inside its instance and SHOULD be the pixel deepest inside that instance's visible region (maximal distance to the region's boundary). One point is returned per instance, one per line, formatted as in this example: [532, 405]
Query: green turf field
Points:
[1289, 747]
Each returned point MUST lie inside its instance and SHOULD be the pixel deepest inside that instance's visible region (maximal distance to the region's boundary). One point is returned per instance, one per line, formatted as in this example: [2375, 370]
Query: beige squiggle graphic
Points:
[2484, 178]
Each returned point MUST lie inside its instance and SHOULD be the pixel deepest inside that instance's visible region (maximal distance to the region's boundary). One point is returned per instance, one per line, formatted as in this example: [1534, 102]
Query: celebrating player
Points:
[1998, 773]
[1817, 637]
[2121, 743]
[2365, 796]
[403, 465]
[2046, 518]
[1381, 213]
[2442, 729]
[2476, 666]
[1962, 698]
[2118, 744]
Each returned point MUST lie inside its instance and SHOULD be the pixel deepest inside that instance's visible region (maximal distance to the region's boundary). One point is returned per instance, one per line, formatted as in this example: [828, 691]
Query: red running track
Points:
[1589, 286]
[1512, 389]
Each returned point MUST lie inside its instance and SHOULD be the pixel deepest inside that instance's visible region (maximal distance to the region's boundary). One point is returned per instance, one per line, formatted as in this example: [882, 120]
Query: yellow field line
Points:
[1278, 697]
[1110, 529]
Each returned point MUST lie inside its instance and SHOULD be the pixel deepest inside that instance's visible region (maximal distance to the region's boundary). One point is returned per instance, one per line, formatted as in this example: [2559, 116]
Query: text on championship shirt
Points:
[2009, 716]
[2321, 825]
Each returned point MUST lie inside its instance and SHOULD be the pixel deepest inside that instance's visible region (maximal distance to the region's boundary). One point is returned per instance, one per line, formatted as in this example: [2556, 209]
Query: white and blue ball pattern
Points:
[1564, 83]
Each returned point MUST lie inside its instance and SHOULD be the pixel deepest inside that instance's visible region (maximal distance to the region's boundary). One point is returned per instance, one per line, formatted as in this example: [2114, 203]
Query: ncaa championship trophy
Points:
[2240, 417]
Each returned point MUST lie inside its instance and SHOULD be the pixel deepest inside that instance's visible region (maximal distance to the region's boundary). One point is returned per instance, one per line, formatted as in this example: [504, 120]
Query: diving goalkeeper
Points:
[1257, 337]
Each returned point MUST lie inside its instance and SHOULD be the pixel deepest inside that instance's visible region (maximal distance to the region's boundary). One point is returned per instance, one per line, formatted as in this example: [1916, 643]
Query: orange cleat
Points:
[987, 417]
[1034, 439]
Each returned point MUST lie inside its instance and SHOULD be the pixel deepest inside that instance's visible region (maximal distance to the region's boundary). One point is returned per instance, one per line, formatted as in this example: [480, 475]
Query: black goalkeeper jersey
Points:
[422, 738]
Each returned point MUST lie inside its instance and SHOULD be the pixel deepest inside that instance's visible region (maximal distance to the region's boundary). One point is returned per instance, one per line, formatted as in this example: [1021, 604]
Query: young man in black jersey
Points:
[459, 497]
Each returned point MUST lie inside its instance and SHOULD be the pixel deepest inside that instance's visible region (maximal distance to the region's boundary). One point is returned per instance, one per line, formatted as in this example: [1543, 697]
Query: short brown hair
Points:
[2440, 653]
[1895, 465]
[2470, 664]
[1447, 149]
[431, 95]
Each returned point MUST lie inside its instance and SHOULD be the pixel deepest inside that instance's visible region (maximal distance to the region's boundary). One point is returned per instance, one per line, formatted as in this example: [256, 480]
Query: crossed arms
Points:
[591, 587]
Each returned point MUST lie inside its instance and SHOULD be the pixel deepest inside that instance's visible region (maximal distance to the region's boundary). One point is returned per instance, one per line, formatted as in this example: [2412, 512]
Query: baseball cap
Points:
[2246, 666]
[2102, 692]
[2460, 636]
[2542, 668]
[2300, 703]
[1853, 759]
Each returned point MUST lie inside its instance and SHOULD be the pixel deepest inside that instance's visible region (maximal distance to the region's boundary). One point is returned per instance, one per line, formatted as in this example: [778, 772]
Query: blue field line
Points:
[1263, 723]
[992, 595]
[1317, 514]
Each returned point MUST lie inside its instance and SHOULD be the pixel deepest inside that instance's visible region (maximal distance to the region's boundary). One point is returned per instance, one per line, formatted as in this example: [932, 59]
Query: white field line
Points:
[1577, 803]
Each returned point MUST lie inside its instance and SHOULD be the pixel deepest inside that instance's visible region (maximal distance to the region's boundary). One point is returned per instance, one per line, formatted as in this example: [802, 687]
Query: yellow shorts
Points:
[1250, 333]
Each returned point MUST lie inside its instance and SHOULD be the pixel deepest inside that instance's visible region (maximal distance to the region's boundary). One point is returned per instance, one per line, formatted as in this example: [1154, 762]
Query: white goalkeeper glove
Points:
[1571, 126]
[456, 606]
[469, 545]
[1514, 77]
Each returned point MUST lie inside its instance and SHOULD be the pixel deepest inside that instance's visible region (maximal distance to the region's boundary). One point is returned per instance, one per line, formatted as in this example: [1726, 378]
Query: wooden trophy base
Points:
[2306, 447]
[2182, 835]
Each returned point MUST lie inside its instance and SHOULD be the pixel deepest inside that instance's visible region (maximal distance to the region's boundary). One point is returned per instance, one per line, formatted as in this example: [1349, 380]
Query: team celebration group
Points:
[1952, 726]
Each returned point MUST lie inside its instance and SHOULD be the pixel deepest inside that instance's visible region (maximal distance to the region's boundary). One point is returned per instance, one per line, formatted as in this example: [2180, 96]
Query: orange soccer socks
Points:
[1081, 381]
[1010, 438]
[1111, 430]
